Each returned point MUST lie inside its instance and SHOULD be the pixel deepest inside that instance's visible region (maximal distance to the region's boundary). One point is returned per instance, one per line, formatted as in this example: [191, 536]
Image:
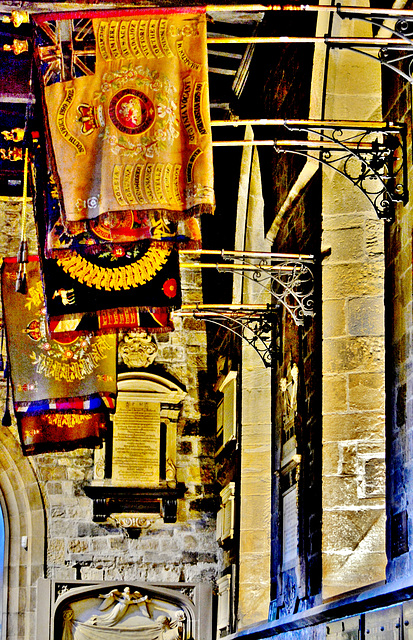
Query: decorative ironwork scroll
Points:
[391, 56]
[372, 159]
[372, 155]
[260, 329]
[290, 283]
[288, 278]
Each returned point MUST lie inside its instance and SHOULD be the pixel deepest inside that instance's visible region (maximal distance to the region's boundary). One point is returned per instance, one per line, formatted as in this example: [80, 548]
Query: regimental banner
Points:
[43, 369]
[127, 110]
[50, 432]
[98, 402]
[102, 321]
[144, 275]
[114, 227]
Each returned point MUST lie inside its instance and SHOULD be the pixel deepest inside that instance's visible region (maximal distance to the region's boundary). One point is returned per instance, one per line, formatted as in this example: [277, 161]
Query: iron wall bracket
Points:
[388, 56]
[373, 160]
[289, 281]
[261, 329]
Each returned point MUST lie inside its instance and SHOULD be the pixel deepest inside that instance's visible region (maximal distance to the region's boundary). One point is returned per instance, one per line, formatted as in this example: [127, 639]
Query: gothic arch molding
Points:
[24, 520]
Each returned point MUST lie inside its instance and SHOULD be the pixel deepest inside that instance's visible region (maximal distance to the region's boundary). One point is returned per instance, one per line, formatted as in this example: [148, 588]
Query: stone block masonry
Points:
[353, 353]
[77, 548]
[397, 105]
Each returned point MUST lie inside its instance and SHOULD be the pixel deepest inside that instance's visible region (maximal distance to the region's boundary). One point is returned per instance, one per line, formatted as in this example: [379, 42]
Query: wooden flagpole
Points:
[325, 124]
[338, 41]
[396, 13]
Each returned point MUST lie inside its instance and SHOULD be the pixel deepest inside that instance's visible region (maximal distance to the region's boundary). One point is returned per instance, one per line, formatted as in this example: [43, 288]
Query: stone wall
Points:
[353, 347]
[285, 74]
[299, 232]
[75, 547]
[184, 551]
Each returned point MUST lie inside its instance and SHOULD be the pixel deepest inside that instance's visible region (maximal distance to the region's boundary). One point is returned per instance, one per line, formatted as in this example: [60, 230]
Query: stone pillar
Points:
[353, 544]
[255, 490]
[399, 290]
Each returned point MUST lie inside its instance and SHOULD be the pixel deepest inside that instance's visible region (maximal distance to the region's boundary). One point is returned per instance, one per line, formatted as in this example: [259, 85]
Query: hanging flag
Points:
[126, 95]
[111, 320]
[114, 227]
[141, 276]
[50, 432]
[42, 368]
[69, 376]
[94, 285]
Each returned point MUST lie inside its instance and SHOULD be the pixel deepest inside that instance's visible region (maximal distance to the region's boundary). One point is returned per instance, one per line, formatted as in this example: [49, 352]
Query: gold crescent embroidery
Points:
[125, 277]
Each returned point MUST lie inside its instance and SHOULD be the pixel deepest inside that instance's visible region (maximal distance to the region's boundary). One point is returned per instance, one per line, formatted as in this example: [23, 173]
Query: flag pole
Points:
[331, 40]
[396, 13]
[325, 124]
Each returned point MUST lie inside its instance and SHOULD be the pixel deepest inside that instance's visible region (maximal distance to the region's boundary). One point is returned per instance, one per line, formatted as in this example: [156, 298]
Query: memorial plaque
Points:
[136, 444]
[290, 528]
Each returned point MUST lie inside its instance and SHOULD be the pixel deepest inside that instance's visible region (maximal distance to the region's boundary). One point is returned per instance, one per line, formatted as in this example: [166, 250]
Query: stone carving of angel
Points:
[120, 601]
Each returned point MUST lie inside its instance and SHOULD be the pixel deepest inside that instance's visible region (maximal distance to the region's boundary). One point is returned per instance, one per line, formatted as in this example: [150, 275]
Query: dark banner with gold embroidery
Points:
[126, 94]
[49, 432]
[158, 321]
[44, 369]
[142, 276]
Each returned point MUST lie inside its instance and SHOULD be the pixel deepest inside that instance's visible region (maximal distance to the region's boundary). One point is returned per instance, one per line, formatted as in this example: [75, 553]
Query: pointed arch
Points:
[24, 522]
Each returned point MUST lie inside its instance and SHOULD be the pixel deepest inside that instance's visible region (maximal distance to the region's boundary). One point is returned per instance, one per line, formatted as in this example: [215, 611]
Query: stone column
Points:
[255, 490]
[353, 543]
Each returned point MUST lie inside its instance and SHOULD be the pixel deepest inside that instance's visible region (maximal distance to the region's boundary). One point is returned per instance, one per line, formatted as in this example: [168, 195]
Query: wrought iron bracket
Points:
[388, 56]
[261, 329]
[289, 279]
[289, 282]
[372, 159]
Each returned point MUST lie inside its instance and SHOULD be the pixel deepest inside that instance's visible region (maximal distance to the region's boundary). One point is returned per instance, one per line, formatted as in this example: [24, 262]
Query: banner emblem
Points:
[131, 111]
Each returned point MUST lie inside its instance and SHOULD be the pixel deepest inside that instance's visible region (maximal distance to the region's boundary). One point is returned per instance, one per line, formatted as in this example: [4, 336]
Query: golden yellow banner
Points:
[62, 126]
[133, 37]
[134, 131]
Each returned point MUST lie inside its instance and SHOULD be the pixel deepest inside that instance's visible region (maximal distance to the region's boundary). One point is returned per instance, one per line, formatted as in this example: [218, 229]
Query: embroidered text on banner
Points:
[127, 111]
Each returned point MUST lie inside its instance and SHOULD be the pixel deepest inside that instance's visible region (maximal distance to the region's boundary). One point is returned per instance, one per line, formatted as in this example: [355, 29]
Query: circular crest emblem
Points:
[114, 226]
[131, 111]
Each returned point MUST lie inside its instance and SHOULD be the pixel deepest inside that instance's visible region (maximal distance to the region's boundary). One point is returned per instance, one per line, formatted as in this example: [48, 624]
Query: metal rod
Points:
[326, 124]
[41, 7]
[306, 145]
[235, 267]
[247, 254]
[252, 313]
[232, 307]
[243, 143]
[331, 40]
[396, 13]
[24, 200]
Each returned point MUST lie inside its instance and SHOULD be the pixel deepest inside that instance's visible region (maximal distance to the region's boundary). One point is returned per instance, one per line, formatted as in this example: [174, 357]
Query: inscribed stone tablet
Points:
[136, 444]
[290, 528]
